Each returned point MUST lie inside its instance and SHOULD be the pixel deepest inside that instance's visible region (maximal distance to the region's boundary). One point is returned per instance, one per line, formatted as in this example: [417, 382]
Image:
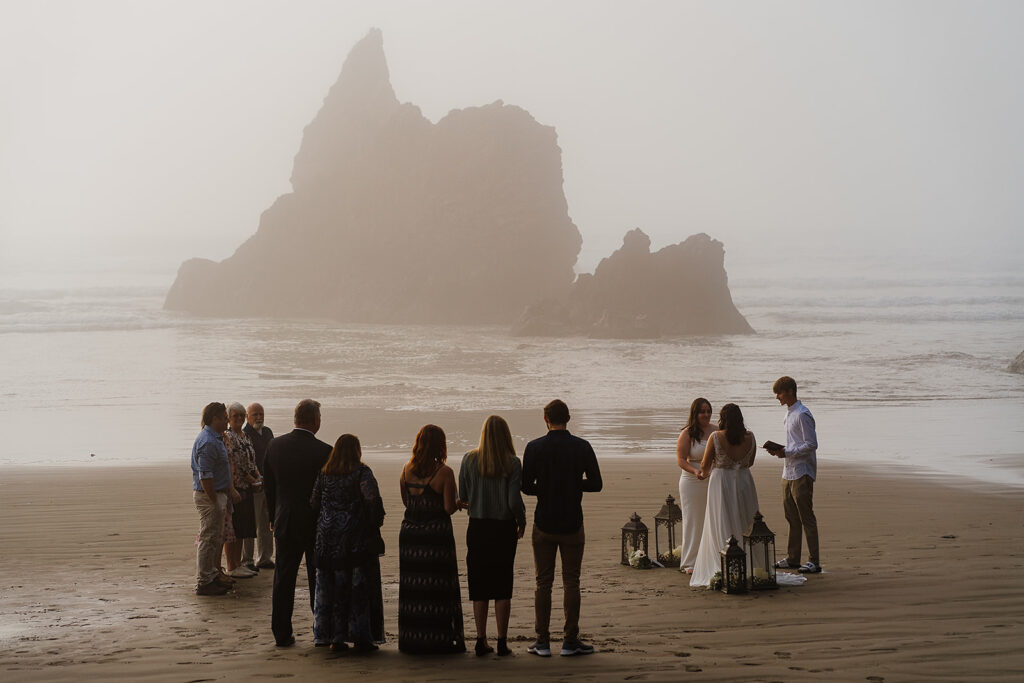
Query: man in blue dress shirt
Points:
[211, 486]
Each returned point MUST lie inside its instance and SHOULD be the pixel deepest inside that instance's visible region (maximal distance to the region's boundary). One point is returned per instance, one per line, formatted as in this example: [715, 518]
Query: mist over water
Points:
[903, 372]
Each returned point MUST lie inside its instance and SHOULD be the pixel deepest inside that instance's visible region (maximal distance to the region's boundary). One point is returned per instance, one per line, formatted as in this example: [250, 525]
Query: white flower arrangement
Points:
[639, 560]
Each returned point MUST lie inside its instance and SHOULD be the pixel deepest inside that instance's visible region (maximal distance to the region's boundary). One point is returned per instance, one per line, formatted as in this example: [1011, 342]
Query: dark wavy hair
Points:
[429, 452]
[730, 418]
[346, 456]
[692, 424]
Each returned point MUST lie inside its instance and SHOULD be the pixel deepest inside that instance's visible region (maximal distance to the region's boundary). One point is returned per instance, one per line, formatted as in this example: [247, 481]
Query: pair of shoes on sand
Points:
[569, 648]
[482, 648]
[805, 568]
[358, 648]
[212, 588]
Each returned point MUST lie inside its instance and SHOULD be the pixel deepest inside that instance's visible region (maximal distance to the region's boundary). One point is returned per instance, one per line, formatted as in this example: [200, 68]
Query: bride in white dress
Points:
[693, 491]
[732, 498]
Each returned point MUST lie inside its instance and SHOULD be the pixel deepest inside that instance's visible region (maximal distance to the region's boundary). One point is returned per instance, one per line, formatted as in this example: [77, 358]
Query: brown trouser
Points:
[545, 546]
[797, 501]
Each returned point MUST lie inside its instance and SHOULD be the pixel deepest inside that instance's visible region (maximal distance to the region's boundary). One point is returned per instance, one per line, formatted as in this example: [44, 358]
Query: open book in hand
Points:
[772, 446]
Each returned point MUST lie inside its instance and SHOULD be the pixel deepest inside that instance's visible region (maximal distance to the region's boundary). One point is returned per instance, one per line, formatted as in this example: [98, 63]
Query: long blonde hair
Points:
[495, 453]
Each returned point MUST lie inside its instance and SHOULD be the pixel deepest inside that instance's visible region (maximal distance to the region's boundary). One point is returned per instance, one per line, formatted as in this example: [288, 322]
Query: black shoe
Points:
[212, 588]
[503, 650]
[540, 648]
[482, 648]
[251, 567]
[269, 564]
[364, 648]
[576, 647]
[287, 642]
[339, 647]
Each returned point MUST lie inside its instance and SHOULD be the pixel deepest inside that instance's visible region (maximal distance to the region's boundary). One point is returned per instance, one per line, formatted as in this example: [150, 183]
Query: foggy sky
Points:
[134, 135]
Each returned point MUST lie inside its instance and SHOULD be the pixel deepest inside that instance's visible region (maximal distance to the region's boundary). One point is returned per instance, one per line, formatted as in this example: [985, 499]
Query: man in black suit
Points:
[292, 464]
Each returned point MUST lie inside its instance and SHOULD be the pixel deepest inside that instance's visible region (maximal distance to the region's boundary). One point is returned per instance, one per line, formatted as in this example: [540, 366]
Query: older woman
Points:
[489, 486]
[246, 477]
[693, 491]
[429, 597]
[349, 606]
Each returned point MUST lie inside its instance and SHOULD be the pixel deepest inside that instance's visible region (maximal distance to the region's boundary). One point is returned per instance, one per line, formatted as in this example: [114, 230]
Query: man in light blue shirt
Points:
[798, 475]
[211, 486]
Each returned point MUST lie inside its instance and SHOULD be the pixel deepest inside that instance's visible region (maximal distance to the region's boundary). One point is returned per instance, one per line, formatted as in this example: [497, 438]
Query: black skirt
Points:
[490, 558]
[243, 517]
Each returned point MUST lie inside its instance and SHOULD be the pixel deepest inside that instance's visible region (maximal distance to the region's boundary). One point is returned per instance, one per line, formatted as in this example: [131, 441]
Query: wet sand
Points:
[921, 581]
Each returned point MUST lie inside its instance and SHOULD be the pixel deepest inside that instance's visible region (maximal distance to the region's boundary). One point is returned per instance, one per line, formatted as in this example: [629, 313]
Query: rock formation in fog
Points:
[395, 219]
[1017, 364]
[679, 290]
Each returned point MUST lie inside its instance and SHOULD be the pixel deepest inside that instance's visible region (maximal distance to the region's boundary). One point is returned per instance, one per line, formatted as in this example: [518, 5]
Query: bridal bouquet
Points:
[639, 560]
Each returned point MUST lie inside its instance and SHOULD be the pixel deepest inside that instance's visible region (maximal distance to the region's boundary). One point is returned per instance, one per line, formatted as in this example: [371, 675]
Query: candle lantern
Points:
[759, 544]
[634, 537]
[668, 519]
[734, 567]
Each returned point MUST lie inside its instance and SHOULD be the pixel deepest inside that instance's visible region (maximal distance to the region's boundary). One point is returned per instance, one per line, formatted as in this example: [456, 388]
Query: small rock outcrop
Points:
[393, 218]
[1017, 364]
[682, 289]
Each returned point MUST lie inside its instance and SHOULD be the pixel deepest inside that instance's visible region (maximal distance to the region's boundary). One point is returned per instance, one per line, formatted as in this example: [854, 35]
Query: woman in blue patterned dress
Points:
[429, 597]
[348, 606]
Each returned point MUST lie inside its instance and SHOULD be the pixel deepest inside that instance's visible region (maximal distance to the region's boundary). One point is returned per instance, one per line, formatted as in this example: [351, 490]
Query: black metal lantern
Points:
[668, 518]
[759, 544]
[634, 537]
[734, 567]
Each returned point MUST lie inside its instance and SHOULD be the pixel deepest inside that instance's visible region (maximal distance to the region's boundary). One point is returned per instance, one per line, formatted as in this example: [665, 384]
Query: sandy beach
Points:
[921, 581]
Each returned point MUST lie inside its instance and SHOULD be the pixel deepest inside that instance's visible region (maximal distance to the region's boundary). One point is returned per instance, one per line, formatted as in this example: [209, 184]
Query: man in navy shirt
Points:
[558, 468]
[211, 486]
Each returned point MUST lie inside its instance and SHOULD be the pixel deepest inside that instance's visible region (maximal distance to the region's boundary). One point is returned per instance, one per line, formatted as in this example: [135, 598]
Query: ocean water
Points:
[906, 373]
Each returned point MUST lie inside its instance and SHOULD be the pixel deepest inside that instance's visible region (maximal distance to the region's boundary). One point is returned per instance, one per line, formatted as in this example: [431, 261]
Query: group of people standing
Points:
[227, 483]
[327, 509]
[717, 493]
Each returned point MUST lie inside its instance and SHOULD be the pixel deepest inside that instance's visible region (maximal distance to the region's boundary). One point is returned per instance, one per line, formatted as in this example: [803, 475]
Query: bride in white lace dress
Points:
[732, 498]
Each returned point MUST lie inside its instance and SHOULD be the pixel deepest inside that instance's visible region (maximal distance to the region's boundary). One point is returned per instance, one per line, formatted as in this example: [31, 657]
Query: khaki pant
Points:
[211, 535]
[545, 547]
[798, 502]
[263, 545]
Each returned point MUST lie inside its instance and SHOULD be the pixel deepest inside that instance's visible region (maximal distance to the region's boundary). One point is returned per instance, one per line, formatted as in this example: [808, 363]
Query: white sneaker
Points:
[241, 573]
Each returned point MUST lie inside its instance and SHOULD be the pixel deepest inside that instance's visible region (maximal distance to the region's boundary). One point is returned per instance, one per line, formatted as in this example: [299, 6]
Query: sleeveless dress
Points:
[693, 499]
[732, 504]
[429, 597]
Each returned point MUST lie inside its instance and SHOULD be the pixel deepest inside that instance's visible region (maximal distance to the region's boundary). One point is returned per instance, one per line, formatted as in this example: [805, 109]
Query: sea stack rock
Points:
[682, 289]
[395, 219]
[1017, 364]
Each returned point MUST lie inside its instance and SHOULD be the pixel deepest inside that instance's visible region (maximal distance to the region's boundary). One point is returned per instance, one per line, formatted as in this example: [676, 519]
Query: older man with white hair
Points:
[260, 437]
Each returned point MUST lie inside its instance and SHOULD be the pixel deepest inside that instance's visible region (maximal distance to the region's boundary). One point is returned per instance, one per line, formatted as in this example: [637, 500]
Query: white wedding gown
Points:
[732, 504]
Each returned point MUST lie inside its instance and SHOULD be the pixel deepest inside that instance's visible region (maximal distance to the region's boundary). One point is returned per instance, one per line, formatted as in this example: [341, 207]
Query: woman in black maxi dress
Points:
[429, 597]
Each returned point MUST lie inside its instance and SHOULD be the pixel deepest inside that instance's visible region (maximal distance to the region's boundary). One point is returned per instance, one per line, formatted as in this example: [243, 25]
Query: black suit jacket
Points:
[292, 464]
